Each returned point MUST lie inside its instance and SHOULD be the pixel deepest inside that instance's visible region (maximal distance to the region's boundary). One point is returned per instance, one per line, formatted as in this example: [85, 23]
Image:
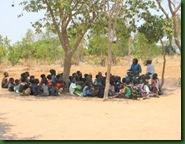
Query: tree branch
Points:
[161, 8]
[177, 8]
[170, 6]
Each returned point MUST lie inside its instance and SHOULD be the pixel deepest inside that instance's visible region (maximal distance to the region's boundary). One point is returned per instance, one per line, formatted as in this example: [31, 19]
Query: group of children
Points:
[83, 85]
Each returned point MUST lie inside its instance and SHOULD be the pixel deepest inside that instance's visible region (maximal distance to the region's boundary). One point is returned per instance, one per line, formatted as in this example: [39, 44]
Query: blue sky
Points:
[11, 26]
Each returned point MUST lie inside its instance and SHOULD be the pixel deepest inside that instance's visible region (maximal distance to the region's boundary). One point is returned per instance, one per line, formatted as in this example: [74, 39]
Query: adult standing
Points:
[150, 68]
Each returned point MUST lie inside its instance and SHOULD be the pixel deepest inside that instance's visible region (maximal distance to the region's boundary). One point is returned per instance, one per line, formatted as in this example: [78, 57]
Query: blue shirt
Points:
[86, 91]
[134, 68]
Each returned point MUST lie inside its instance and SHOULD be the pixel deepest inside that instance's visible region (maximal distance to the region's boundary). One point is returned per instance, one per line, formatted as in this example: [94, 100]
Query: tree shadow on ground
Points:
[5, 132]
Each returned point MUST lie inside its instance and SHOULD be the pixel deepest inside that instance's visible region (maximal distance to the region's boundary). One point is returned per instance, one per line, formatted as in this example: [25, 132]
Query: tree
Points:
[64, 17]
[143, 49]
[154, 29]
[174, 7]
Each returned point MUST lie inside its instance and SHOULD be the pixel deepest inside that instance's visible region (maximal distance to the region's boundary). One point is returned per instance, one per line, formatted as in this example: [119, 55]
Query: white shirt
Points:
[72, 88]
[150, 69]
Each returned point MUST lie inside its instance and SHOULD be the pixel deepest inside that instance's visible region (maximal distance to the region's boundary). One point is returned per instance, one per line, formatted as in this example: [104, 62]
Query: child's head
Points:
[11, 80]
[135, 82]
[73, 79]
[140, 81]
[86, 75]
[27, 74]
[127, 81]
[43, 76]
[32, 77]
[52, 71]
[155, 76]
[123, 80]
[16, 82]
[49, 77]
[6, 74]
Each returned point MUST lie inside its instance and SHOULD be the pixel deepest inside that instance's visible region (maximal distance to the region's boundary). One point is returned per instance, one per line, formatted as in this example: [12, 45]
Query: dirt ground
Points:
[78, 118]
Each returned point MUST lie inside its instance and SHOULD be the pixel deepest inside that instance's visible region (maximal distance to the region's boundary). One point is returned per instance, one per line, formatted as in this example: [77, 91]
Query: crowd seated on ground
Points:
[132, 86]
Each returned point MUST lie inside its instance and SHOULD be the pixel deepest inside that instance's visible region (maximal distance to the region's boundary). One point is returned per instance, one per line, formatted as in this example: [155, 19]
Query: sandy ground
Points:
[77, 118]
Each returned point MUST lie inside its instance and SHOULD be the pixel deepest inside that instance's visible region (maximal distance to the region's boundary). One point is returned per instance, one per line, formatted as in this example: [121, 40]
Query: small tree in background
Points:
[154, 29]
[143, 49]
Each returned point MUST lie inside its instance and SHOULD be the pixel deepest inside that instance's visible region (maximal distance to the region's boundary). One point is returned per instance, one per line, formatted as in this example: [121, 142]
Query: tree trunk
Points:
[107, 86]
[67, 68]
[111, 34]
[177, 42]
[164, 64]
[129, 50]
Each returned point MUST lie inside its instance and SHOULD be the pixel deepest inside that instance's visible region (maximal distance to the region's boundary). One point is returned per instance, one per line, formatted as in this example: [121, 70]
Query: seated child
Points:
[87, 89]
[72, 86]
[136, 93]
[126, 92]
[4, 83]
[44, 87]
[35, 87]
[16, 86]
[11, 85]
[42, 76]
[54, 89]
[155, 84]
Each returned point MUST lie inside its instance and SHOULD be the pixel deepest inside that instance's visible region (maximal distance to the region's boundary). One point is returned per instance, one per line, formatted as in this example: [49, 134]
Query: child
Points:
[35, 88]
[53, 76]
[72, 86]
[42, 79]
[141, 86]
[49, 80]
[155, 84]
[54, 89]
[126, 92]
[45, 87]
[136, 93]
[87, 89]
[4, 83]
[16, 86]
[11, 85]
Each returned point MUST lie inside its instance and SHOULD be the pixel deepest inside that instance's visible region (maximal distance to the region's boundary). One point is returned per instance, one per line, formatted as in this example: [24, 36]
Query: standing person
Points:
[134, 70]
[150, 68]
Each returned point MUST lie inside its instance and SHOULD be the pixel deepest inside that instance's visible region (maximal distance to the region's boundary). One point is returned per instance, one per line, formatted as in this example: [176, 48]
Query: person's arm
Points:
[139, 69]
[130, 69]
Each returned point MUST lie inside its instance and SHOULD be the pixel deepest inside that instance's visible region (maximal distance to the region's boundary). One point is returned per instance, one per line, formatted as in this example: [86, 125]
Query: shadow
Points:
[168, 90]
[5, 129]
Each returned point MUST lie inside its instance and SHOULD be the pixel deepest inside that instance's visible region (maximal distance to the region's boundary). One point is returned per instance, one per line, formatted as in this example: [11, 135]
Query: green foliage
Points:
[4, 45]
[152, 28]
[2, 53]
[48, 49]
[98, 45]
[155, 27]
[143, 49]
[14, 53]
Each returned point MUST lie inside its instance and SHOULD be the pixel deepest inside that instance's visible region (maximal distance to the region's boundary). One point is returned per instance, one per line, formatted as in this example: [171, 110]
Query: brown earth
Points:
[77, 118]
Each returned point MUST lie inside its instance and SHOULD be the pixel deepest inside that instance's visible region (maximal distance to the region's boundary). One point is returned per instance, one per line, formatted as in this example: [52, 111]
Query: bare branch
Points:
[170, 6]
[177, 8]
[162, 9]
